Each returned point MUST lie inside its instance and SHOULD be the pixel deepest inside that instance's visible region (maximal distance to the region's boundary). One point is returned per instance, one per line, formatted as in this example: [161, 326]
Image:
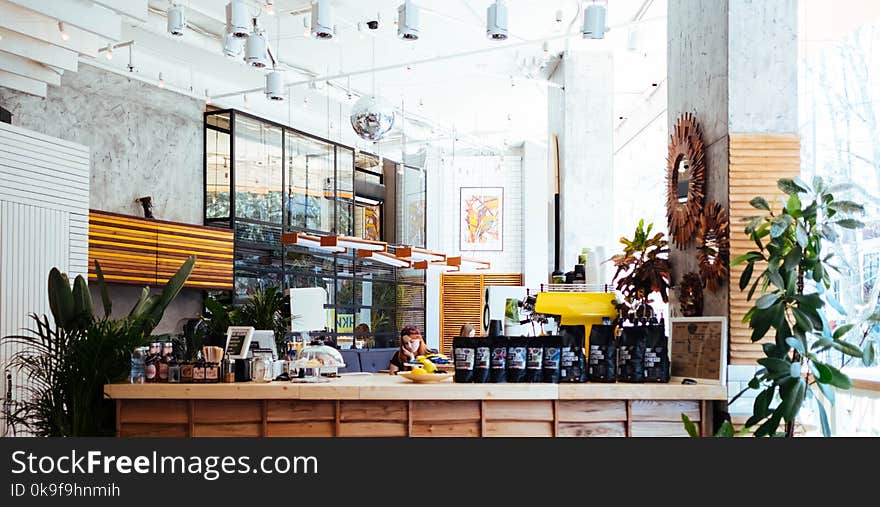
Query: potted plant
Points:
[265, 311]
[69, 358]
[791, 299]
[642, 269]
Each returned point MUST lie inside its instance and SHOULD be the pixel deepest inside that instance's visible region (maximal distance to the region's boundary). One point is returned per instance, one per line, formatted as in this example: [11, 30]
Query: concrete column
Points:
[733, 63]
[535, 213]
[581, 115]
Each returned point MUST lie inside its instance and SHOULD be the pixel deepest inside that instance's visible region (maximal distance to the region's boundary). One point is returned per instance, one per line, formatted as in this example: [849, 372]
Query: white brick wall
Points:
[482, 171]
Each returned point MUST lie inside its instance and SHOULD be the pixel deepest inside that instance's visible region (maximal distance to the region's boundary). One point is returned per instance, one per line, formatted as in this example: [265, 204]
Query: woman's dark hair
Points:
[409, 330]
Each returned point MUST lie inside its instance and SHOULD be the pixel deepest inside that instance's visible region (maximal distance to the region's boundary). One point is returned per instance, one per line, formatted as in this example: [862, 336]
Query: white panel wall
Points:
[44, 205]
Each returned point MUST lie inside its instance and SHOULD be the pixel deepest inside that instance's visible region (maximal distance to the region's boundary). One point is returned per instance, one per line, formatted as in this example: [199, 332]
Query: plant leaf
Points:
[831, 300]
[726, 430]
[746, 276]
[767, 300]
[847, 348]
[796, 344]
[760, 203]
[847, 207]
[689, 426]
[823, 419]
[850, 223]
[776, 367]
[770, 425]
[868, 353]
[102, 286]
[60, 298]
[792, 399]
[842, 330]
[788, 186]
[838, 378]
[779, 225]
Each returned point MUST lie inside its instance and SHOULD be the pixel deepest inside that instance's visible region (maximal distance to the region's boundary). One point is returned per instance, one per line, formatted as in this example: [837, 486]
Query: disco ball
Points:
[372, 117]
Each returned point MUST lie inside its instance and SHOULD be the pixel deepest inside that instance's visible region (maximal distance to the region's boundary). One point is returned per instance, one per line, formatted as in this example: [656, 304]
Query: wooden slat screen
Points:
[461, 302]
[756, 163]
[139, 251]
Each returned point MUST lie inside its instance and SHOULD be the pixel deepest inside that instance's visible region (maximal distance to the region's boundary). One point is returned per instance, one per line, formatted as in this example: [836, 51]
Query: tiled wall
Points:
[738, 377]
[483, 171]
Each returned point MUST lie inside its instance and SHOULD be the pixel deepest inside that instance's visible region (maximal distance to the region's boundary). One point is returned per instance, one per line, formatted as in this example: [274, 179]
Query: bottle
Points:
[138, 357]
[151, 364]
[173, 371]
[228, 371]
[165, 361]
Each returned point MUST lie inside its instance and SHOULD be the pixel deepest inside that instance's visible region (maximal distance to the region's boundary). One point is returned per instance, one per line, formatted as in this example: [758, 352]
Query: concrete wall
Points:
[581, 116]
[143, 140]
[699, 83]
[537, 210]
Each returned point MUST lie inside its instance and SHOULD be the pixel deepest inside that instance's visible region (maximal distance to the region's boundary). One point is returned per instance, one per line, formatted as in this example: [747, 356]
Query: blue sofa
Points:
[366, 360]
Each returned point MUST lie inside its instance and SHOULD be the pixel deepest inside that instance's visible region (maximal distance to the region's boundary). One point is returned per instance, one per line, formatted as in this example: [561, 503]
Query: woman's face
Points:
[472, 333]
[411, 342]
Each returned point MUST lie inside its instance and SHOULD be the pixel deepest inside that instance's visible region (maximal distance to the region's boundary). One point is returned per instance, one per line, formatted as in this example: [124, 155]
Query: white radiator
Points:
[44, 220]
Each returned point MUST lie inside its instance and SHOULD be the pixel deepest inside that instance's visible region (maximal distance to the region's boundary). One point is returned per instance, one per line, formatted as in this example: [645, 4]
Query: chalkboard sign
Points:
[238, 341]
[699, 348]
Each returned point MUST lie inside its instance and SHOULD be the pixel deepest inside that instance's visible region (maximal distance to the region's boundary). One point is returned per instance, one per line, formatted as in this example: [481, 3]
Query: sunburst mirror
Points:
[713, 245]
[685, 180]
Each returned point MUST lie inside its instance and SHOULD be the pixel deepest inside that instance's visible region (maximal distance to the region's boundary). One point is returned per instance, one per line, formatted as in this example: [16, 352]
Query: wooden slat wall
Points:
[138, 251]
[756, 163]
[461, 302]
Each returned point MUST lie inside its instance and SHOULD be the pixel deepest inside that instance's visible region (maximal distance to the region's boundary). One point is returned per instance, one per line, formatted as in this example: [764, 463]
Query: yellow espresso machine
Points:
[578, 308]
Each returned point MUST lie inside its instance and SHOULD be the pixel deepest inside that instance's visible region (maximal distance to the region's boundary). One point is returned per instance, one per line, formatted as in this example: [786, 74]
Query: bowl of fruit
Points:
[421, 376]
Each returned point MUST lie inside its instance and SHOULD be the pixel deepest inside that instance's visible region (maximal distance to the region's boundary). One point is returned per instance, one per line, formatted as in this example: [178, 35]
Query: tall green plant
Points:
[265, 310]
[792, 288]
[68, 360]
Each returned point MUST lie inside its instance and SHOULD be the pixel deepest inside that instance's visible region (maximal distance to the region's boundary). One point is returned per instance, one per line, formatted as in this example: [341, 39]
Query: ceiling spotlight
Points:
[176, 20]
[322, 20]
[232, 45]
[594, 22]
[275, 85]
[373, 24]
[408, 21]
[64, 34]
[270, 7]
[238, 19]
[207, 97]
[496, 21]
[108, 51]
[557, 27]
[161, 81]
[255, 49]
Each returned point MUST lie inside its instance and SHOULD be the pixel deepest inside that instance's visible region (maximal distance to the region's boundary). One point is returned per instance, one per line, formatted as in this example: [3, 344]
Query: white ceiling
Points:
[489, 95]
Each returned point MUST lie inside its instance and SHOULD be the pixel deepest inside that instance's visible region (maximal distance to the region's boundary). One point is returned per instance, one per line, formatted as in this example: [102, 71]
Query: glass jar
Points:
[186, 372]
[173, 372]
[261, 369]
[138, 359]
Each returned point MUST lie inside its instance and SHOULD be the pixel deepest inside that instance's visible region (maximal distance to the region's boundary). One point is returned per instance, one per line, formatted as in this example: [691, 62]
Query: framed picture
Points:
[699, 348]
[481, 218]
[238, 341]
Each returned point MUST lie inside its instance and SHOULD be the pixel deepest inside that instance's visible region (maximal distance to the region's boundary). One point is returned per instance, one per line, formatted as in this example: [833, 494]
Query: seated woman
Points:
[411, 345]
[467, 331]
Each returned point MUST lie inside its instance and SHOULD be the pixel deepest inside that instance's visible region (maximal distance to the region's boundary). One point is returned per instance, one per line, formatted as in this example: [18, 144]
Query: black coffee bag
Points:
[482, 363]
[631, 354]
[498, 360]
[534, 359]
[552, 346]
[464, 354]
[572, 361]
[656, 354]
[516, 359]
[603, 354]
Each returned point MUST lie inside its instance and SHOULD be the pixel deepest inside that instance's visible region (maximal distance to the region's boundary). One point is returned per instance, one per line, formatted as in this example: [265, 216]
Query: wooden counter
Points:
[384, 405]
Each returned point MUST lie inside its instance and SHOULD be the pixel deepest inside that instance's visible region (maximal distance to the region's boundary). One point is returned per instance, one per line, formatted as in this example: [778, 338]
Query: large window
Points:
[263, 179]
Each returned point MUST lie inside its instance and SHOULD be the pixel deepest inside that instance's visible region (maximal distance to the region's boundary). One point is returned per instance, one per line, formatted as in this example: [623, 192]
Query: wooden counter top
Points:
[389, 387]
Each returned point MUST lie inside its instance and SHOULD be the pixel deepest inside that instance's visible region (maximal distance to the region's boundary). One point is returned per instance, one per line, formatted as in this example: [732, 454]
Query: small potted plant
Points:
[642, 269]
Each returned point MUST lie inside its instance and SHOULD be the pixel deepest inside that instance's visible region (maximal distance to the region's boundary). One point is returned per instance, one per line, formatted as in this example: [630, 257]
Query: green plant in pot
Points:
[68, 359]
[642, 269]
[790, 306]
[266, 310]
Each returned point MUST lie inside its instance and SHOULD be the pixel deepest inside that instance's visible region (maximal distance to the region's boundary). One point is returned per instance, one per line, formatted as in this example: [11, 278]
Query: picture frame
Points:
[238, 341]
[481, 219]
[698, 348]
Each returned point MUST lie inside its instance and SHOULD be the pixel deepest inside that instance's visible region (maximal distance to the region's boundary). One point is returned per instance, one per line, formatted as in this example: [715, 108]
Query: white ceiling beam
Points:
[134, 9]
[85, 15]
[23, 84]
[28, 68]
[33, 24]
[35, 49]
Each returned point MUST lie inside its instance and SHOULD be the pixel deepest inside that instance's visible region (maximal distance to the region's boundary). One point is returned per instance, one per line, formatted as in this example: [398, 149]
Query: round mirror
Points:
[685, 181]
[713, 247]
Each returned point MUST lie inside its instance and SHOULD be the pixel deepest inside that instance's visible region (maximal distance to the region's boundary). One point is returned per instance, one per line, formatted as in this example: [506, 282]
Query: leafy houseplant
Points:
[642, 269]
[68, 360]
[793, 283]
[265, 310]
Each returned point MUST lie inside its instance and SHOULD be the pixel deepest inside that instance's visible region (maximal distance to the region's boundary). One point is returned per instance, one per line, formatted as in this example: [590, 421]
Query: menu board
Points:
[699, 348]
[238, 341]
